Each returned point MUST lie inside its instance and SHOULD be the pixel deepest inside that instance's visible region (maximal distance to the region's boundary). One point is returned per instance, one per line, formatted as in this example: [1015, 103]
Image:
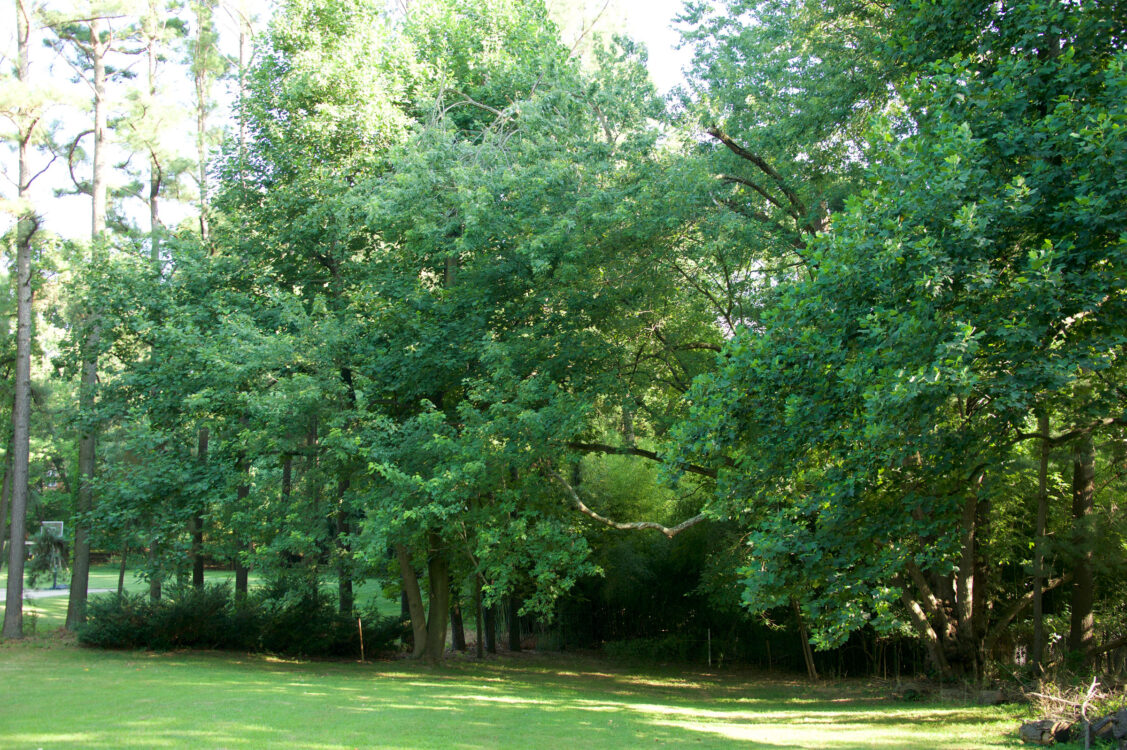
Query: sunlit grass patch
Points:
[201, 700]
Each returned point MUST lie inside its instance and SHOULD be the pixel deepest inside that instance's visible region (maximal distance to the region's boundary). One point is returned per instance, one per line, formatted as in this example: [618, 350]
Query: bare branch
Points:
[1015, 609]
[632, 526]
[70, 160]
[640, 452]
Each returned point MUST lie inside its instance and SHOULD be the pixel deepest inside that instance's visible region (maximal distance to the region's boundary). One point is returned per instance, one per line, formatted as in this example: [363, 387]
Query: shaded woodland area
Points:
[816, 363]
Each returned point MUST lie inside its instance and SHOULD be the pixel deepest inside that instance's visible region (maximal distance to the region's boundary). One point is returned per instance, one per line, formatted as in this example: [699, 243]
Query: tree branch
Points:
[1015, 609]
[798, 207]
[732, 179]
[70, 161]
[640, 452]
[1065, 437]
[633, 526]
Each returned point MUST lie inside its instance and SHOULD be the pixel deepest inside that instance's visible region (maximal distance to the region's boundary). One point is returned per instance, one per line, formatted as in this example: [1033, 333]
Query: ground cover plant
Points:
[127, 700]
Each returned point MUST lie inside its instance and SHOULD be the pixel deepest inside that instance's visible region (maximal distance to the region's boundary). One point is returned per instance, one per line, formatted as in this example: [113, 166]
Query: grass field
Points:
[45, 615]
[73, 697]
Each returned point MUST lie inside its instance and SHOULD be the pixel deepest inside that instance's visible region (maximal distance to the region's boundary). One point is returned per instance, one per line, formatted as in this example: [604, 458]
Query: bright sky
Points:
[650, 21]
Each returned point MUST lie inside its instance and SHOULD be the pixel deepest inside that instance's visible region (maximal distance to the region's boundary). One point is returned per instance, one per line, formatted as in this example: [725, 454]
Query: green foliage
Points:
[48, 557]
[968, 284]
[186, 617]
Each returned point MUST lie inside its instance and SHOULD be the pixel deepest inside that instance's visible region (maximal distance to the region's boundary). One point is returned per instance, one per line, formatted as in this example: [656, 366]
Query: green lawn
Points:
[72, 697]
[47, 614]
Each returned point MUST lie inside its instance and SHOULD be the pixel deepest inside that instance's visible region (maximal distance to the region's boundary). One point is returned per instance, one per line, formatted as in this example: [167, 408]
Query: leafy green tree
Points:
[861, 428]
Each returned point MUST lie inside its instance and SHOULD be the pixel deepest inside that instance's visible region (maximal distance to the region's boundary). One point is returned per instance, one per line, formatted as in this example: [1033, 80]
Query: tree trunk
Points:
[197, 519]
[490, 621]
[438, 579]
[1081, 631]
[121, 569]
[457, 627]
[1038, 650]
[242, 573]
[479, 628]
[344, 550]
[202, 81]
[154, 573]
[80, 571]
[414, 600]
[313, 478]
[963, 645]
[931, 638]
[514, 623]
[5, 502]
[807, 651]
[21, 403]
[152, 33]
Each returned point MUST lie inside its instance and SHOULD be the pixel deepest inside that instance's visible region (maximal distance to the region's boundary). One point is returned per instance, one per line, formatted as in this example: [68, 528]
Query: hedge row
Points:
[210, 618]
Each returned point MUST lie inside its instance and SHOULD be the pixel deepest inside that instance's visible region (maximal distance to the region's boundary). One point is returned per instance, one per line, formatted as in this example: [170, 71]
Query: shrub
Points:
[188, 617]
[117, 622]
[296, 624]
[671, 647]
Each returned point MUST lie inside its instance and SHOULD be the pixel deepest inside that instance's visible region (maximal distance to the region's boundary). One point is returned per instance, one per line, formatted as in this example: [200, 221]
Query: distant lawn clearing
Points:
[50, 613]
[63, 696]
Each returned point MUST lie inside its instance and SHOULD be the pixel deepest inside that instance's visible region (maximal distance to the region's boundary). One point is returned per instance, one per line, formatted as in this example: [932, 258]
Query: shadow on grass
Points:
[136, 699]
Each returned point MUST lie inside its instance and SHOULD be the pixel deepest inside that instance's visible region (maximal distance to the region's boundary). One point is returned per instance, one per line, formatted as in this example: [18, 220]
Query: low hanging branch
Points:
[641, 453]
[633, 526]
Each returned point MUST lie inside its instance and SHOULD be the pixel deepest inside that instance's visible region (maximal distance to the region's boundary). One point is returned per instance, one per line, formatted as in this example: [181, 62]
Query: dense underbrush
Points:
[211, 618]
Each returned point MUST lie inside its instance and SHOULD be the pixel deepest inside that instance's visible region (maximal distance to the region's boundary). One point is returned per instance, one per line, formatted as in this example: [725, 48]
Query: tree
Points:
[25, 113]
[862, 427]
[89, 33]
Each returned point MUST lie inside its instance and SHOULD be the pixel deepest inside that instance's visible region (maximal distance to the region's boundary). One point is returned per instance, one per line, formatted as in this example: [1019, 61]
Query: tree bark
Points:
[438, 579]
[1081, 635]
[457, 627]
[1038, 650]
[489, 619]
[5, 502]
[804, 634]
[154, 573]
[479, 627]
[344, 550]
[21, 403]
[514, 623]
[197, 518]
[414, 600]
[80, 571]
[242, 573]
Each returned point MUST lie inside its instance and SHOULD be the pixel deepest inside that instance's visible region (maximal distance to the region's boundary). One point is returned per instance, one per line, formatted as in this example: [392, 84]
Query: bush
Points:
[305, 624]
[188, 617]
[117, 622]
[671, 647]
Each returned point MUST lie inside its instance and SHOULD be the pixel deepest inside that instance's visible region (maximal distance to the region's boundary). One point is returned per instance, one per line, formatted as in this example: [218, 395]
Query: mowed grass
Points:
[65, 696]
[47, 614]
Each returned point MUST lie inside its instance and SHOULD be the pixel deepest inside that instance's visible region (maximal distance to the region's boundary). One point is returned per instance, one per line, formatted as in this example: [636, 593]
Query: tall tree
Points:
[90, 34]
[26, 116]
